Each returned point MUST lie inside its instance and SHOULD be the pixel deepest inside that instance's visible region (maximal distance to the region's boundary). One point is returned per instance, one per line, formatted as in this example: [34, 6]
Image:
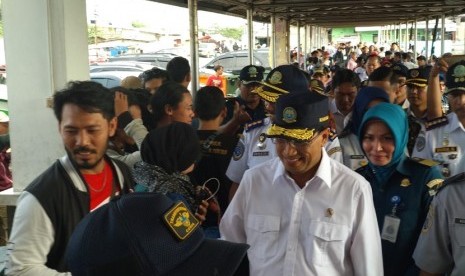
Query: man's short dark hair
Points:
[88, 95]
[178, 68]
[343, 76]
[170, 93]
[209, 102]
[154, 73]
[384, 73]
[217, 67]
[388, 53]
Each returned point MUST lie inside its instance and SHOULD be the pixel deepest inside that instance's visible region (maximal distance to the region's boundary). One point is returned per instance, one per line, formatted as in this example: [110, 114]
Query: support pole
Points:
[194, 45]
[250, 34]
[443, 28]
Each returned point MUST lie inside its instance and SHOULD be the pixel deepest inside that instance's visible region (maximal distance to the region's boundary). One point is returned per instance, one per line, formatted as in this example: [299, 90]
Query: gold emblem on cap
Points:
[405, 182]
[414, 73]
[253, 71]
[459, 73]
[397, 67]
[180, 221]
[289, 115]
[329, 212]
[276, 77]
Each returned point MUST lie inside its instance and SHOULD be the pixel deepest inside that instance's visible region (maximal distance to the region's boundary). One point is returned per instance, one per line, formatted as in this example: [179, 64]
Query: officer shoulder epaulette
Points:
[453, 180]
[248, 127]
[437, 122]
[425, 162]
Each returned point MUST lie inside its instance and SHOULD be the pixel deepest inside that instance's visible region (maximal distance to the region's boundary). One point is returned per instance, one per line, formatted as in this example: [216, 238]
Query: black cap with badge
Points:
[300, 116]
[400, 69]
[455, 77]
[418, 76]
[282, 80]
[251, 74]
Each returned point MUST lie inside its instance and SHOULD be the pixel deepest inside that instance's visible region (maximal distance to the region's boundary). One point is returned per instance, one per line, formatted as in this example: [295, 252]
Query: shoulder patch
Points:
[180, 221]
[420, 144]
[238, 151]
[428, 219]
[435, 123]
[425, 162]
[248, 127]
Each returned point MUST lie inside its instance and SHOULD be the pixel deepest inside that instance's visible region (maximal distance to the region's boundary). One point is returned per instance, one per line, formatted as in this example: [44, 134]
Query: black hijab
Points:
[174, 147]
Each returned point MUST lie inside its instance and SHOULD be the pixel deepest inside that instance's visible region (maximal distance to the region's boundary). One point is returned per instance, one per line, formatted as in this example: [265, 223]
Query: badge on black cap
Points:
[289, 115]
[276, 78]
[459, 73]
[253, 71]
[180, 221]
[414, 73]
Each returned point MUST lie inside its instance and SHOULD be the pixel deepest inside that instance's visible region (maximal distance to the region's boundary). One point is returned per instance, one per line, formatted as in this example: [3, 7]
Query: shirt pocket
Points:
[326, 243]
[262, 235]
[459, 232]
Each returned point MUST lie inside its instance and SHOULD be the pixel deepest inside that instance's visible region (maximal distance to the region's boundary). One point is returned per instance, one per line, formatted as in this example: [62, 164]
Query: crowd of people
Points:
[350, 167]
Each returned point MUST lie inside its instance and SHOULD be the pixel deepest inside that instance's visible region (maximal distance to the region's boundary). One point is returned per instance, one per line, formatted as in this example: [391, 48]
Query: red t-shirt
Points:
[99, 186]
[215, 80]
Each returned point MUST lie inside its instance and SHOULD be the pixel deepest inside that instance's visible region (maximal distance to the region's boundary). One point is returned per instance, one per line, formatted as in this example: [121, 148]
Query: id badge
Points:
[390, 228]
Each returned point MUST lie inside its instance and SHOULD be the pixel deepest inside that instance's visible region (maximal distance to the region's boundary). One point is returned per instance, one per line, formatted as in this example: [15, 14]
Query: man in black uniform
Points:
[249, 79]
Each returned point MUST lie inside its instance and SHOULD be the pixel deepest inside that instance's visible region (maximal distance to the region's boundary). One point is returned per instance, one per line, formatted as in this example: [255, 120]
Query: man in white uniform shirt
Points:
[445, 141]
[253, 148]
[303, 213]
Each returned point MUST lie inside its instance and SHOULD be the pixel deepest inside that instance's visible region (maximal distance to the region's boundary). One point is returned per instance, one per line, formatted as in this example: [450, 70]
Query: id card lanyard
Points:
[391, 222]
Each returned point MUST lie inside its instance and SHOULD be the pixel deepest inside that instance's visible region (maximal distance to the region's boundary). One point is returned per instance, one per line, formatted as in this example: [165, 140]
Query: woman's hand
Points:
[202, 211]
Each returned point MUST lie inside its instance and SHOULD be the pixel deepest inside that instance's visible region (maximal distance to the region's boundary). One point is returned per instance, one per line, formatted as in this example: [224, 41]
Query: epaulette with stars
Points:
[437, 122]
[248, 127]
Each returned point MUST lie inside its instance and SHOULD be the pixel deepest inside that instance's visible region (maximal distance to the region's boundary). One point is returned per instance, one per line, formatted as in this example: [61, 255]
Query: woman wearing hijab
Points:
[168, 155]
[352, 154]
[400, 185]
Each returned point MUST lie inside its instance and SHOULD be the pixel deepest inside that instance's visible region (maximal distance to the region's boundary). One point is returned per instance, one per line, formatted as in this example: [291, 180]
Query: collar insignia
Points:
[405, 182]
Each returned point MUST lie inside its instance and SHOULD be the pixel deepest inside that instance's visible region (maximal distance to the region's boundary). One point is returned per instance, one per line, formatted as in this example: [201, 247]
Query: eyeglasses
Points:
[299, 145]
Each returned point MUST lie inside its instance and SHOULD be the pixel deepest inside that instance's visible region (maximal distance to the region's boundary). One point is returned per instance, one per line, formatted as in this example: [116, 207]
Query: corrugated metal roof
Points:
[331, 13]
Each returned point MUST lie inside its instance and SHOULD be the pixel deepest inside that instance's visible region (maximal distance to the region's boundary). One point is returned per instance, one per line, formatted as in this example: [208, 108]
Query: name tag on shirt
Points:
[445, 149]
[459, 220]
[260, 153]
[390, 228]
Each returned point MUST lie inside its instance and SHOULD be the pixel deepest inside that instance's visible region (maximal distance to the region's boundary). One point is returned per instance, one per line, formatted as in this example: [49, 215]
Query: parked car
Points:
[110, 79]
[159, 60]
[232, 63]
[120, 66]
[175, 51]
[207, 49]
